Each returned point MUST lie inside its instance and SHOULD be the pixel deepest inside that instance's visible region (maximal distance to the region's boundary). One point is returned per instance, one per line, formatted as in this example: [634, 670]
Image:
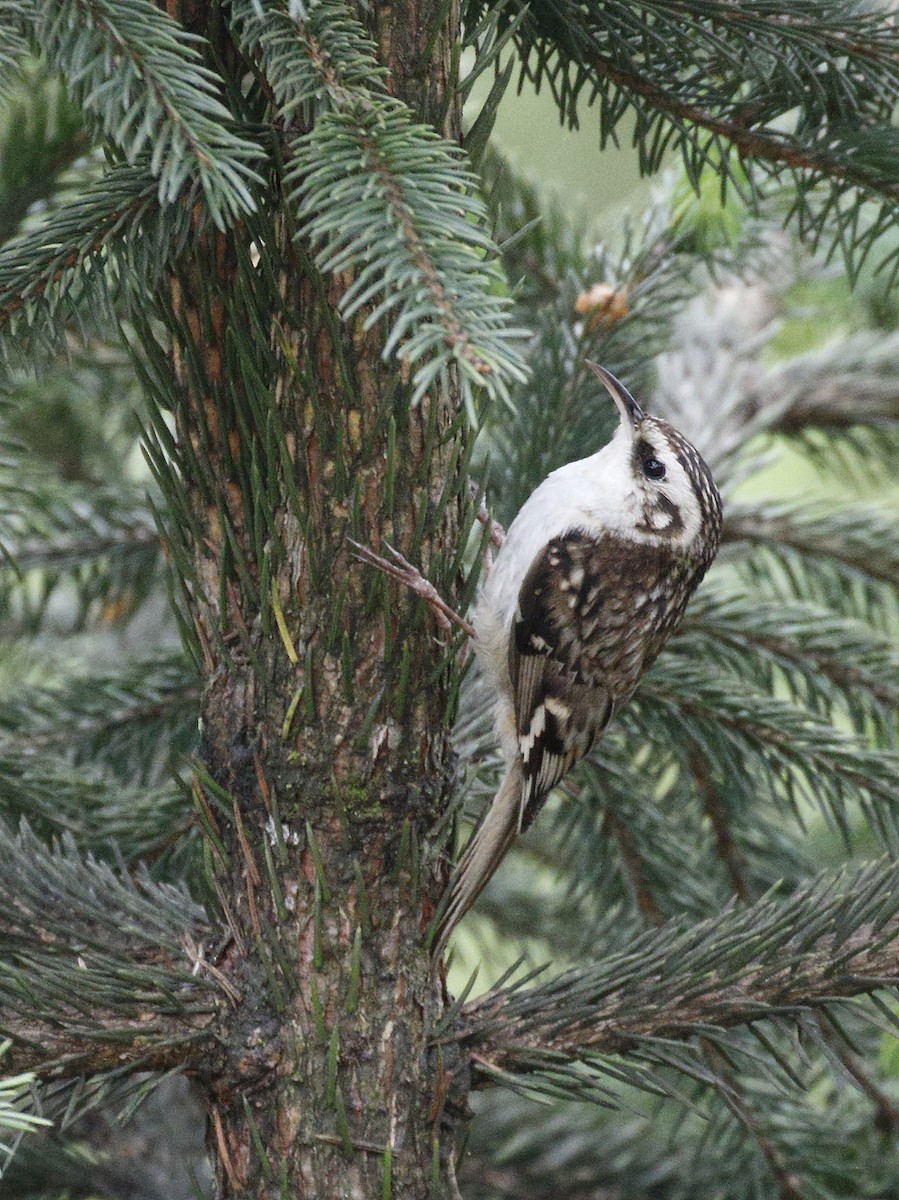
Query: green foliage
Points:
[13, 46]
[41, 135]
[809, 549]
[93, 807]
[142, 77]
[661, 1151]
[799, 94]
[709, 891]
[90, 541]
[15, 1119]
[823, 659]
[405, 216]
[136, 720]
[701, 980]
[102, 931]
[417, 234]
[758, 749]
[654, 267]
[62, 264]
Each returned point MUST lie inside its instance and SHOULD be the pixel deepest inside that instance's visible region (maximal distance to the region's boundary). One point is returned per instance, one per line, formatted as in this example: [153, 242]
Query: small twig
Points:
[632, 866]
[451, 1174]
[329, 1139]
[234, 1181]
[497, 533]
[714, 810]
[886, 1117]
[403, 571]
[196, 953]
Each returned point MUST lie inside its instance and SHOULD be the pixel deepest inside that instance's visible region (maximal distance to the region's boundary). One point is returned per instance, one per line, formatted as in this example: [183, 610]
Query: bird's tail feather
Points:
[485, 851]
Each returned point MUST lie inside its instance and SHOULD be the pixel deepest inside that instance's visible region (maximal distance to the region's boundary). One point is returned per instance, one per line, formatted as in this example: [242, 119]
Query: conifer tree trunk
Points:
[325, 710]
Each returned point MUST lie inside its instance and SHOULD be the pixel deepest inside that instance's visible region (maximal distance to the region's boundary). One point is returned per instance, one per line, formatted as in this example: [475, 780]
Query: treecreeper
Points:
[590, 583]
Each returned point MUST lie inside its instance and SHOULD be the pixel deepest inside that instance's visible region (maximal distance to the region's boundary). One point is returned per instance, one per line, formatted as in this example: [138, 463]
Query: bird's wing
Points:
[568, 629]
[573, 661]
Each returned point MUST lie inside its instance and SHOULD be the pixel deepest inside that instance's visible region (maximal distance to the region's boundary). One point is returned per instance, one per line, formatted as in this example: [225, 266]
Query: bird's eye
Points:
[653, 468]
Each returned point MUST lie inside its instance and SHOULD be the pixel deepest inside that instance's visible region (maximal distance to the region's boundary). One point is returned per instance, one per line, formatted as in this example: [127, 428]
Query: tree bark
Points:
[327, 700]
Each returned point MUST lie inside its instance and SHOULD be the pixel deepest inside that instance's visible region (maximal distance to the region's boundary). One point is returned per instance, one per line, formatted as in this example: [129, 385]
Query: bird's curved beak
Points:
[630, 410]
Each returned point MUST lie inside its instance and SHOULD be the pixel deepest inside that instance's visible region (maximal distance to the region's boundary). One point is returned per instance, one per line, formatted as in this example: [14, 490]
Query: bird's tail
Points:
[483, 854]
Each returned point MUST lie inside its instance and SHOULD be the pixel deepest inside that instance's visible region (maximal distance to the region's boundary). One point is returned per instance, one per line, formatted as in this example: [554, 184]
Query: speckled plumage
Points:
[593, 614]
[593, 578]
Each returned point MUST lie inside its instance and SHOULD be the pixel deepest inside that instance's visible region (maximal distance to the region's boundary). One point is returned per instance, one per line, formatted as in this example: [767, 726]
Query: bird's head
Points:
[669, 496]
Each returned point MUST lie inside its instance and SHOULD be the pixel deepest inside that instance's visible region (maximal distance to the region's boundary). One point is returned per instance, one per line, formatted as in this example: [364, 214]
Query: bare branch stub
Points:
[405, 573]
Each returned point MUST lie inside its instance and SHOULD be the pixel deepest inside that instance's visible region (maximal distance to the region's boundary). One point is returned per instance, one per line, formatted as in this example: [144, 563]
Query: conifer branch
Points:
[42, 133]
[772, 960]
[384, 197]
[768, 146]
[813, 101]
[135, 720]
[849, 382]
[717, 814]
[62, 1043]
[862, 538]
[15, 1118]
[632, 865]
[322, 55]
[13, 46]
[803, 750]
[799, 637]
[141, 75]
[91, 538]
[99, 813]
[690, 835]
[76, 548]
[840, 401]
[67, 252]
[99, 968]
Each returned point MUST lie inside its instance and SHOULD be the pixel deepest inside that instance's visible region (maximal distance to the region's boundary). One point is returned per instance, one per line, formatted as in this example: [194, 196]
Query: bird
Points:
[591, 581]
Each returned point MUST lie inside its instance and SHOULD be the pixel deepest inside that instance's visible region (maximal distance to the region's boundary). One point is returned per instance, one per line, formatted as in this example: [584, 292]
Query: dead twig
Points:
[497, 533]
[404, 572]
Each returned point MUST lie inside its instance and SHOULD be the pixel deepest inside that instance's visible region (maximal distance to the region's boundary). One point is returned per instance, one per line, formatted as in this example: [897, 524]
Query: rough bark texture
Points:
[325, 711]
